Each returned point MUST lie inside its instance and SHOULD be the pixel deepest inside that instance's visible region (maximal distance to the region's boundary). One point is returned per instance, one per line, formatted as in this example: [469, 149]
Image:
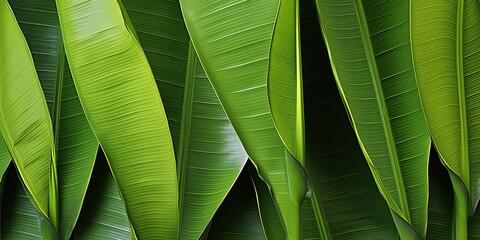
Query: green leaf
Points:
[20, 218]
[474, 226]
[103, 214]
[285, 79]
[204, 184]
[350, 201]
[232, 40]
[5, 160]
[74, 141]
[272, 226]
[445, 51]
[118, 93]
[199, 126]
[162, 34]
[24, 119]
[39, 23]
[238, 216]
[440, 201]
[77, 149]
[368, 42]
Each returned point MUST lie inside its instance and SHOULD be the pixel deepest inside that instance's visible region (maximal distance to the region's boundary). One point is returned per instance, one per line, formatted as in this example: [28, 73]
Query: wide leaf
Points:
[232, 40]
[349, 198]
[209, 154]
[446, 55]
[117, 90]
[368, 43]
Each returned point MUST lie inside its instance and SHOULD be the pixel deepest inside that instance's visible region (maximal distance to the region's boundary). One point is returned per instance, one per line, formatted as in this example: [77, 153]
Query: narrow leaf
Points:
[368, 42]
[285, 90]
[39, 23]
[77, 149]
[206, 183]
[24, 119]
[74, 141]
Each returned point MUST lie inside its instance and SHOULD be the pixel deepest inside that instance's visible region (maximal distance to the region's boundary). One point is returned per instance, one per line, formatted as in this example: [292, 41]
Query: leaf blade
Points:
[26, 128]
[118, 93]
[371, 60]
[239, 76]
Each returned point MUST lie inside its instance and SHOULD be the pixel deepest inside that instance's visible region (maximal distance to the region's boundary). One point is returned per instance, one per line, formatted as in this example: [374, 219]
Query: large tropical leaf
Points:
[39, 23]
[232, 40]
[346, 190]
[368, 43]
[204, 184]
[74, 141]
[285, 90]
[446, 56]
[117, 91]
[209, 154]
[103, 214]
[24, 119]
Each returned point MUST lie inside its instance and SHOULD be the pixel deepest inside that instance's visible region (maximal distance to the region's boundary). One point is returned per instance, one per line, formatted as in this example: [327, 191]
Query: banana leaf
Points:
[369, 48]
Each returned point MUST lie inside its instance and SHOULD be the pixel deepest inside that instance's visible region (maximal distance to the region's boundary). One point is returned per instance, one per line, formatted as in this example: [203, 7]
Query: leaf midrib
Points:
[394, 160]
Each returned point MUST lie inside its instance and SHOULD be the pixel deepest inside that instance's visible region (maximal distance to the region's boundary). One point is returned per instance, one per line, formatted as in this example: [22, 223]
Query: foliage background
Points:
[279, 119]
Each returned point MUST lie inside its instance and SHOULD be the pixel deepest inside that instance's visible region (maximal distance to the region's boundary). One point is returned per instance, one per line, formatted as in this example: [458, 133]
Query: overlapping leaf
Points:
[232, 40]
[118, 93]
[350, 201]
[446, 55]
[368, 42]
[75, 143]
[19, 215]
[24, 119]
[209, 154]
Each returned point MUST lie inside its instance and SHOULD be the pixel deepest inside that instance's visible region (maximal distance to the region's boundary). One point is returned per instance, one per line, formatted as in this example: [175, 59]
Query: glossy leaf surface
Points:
[232, 40]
